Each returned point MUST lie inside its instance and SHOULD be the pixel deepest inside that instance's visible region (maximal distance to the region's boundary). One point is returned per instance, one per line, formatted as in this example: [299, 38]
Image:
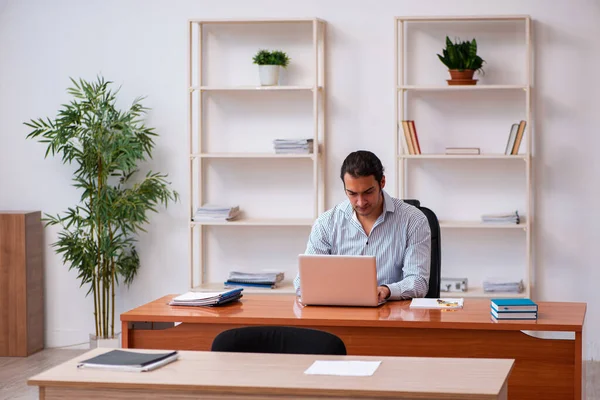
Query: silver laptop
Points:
[338, 280]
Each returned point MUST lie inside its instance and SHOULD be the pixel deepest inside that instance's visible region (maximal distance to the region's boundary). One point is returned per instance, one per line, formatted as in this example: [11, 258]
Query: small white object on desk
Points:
[443, 303]
[343, 368]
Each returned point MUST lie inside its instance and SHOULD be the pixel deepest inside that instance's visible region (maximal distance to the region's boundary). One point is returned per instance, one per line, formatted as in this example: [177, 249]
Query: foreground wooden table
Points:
[544, 368]
[277, 376]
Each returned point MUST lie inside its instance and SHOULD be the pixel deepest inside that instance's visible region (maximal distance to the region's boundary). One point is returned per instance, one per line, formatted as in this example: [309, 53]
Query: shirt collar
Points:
[388, 206]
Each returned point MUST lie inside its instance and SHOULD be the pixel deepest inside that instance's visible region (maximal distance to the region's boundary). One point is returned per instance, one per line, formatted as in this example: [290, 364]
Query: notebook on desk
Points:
[338, 280]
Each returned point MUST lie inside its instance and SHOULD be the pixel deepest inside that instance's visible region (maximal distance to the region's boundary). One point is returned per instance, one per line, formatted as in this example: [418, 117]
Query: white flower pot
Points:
[269, 75]
[100, 342]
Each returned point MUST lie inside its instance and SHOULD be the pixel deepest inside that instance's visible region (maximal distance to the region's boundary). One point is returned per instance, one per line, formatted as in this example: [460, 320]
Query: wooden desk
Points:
[544, 368]
[277, 376]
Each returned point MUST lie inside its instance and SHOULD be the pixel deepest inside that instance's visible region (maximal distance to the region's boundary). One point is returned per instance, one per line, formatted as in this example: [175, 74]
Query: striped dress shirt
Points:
[400, 240]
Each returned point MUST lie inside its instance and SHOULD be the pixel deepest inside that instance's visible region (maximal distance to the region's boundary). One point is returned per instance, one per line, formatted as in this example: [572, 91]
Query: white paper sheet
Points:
[343, 368]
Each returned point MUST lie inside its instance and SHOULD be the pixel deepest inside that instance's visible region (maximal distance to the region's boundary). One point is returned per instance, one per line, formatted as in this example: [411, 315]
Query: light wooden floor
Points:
[14, 372]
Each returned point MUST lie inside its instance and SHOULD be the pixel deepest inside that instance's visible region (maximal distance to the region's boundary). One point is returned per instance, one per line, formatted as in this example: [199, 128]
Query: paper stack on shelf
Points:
[495, 285]
[207, 298]
[216, 213]
[509, 218]
[293, 146]
[254, 279]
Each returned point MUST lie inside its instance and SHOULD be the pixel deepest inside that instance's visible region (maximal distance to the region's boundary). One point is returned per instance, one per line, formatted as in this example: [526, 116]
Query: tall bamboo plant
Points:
[99, 233]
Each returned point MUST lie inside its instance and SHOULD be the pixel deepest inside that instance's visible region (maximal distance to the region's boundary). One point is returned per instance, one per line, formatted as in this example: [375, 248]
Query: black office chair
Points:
[278, 339]
[436, 249]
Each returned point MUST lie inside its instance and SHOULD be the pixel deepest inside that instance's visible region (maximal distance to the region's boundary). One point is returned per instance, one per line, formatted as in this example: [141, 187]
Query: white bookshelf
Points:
[308, 91]
[413, 91]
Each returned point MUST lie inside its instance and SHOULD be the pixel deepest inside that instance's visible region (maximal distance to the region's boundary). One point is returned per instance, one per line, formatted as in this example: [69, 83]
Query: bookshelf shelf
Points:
[251, 155]
[477, 292]
[286, 287]
[463, 18]
[462, 88]
[258, 222]
[281, 88]
[524, 157]
[481, 225]
[215, 174]
[256, 21]
[460, 118]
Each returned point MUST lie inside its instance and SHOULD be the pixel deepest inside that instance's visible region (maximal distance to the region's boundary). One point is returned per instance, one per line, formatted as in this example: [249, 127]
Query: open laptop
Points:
[338, 280]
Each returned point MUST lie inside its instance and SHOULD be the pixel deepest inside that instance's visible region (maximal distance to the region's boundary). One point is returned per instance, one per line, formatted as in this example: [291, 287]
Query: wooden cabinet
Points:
[21, 283]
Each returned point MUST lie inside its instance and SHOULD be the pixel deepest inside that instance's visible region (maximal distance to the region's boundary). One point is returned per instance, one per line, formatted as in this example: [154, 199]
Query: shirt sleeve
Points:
[416, 265]
[319, 242]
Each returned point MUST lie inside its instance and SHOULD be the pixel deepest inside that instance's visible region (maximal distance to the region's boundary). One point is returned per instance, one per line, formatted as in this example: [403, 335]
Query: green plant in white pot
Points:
[269, 65]
[98, 234]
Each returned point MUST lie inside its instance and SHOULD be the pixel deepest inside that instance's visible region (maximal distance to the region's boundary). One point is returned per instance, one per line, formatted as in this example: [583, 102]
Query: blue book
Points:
[513, 305]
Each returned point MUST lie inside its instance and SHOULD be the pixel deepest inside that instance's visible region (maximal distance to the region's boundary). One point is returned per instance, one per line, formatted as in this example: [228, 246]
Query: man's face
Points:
[364, 193]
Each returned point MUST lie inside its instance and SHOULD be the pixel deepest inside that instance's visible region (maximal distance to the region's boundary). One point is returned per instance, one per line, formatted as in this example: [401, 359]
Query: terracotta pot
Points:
[466, 74]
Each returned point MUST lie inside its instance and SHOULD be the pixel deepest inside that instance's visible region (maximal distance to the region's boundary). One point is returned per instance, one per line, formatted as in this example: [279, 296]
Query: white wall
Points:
[142, 45]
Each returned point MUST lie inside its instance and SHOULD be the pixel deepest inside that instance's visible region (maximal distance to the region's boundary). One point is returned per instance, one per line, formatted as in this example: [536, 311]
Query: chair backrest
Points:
[278, 339]
[436, 249]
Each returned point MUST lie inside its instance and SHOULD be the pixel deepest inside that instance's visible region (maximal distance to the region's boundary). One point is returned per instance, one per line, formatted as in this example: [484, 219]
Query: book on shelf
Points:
[515, 137]
[441, 303]
[213, 212]
[463, 151]
[196, 299]
[131, 361]
[293, 146]
[410, 139]
[503, 286]
[255, 277]
[507, 218]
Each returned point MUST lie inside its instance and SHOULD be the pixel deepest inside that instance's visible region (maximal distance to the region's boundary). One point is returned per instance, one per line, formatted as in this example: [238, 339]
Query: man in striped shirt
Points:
[371, 222]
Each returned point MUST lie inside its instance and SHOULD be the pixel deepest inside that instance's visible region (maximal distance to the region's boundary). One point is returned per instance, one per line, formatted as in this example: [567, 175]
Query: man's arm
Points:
[318, 243]
[417, 263]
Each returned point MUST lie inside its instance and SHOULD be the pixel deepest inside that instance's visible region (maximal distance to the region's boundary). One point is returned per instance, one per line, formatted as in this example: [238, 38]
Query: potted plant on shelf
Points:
[269, 63]
[462, 61]
[98, 234]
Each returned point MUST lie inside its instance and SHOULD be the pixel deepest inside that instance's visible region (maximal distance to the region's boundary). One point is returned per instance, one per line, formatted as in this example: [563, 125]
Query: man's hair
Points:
[362, 163]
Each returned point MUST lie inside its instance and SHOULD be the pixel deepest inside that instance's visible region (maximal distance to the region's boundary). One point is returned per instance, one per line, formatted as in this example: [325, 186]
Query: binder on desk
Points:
[130, 361]
[207, 298]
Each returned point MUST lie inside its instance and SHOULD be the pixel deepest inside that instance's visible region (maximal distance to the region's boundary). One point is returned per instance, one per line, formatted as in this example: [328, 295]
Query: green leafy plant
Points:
[98, 234]
[461, 56]
[275, 57]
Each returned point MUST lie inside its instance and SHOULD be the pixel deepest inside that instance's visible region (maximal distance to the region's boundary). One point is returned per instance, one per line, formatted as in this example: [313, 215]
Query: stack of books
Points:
[508, 218]
[216, 213]
[513, 309]
[268, 280]
[207, 298]
[293, 146]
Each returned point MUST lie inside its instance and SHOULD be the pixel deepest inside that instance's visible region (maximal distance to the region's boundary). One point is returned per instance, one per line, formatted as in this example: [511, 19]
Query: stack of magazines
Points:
[207, 298]
[216, 213]
[293, 146]
[250, 279]
[509, 218]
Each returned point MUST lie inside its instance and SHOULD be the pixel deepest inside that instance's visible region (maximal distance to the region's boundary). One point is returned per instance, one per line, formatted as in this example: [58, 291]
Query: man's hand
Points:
[383, 292]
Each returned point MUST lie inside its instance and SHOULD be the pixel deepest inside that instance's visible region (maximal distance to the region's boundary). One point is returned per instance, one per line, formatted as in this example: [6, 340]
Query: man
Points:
[371, 222]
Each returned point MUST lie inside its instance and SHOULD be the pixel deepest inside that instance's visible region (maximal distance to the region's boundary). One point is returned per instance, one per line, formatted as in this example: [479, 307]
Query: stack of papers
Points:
[254, 279]
[216, 213]
[445, 303]
[509, 218]
[293, 146]
[132, 361]
[490, 286]
[207, 298]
